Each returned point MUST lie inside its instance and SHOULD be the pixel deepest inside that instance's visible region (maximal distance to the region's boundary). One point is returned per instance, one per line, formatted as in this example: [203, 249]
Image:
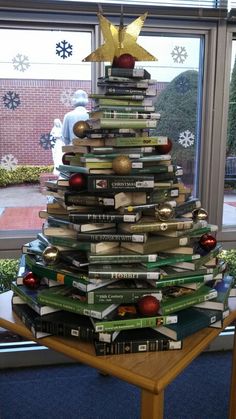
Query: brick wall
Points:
[40, 104]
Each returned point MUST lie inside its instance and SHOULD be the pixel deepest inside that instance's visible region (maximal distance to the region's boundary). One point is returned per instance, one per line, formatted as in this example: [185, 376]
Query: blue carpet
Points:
[80, 392]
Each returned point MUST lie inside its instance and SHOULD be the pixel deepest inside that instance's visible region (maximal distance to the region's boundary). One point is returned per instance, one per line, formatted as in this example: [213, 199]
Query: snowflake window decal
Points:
[9, 162]
[186, 138]
[11, 100]
[182, 85]
[66, 97]
[64, 49]
[21, 62]
[179, 54]
[47, 141]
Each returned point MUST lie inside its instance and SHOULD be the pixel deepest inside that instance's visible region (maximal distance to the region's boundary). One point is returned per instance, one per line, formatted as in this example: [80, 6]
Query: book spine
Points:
[63, 329]
[101, 218]
[161, 226]
[74, 306]
[128, 72]
[125, 324]
[127, 108]
[117, 296]
[136, 141]
[130, 115]
[111, 274]
[129, 347]
[171, 260]
[180, 304]
[75, 199]
[120, 183]
[168, 282]
[96, 238]
[132, 123]
[187, 206]
[121, 258]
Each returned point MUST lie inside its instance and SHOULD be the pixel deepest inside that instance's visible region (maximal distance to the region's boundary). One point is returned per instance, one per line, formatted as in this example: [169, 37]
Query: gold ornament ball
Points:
[51, 255]
[164, 212]
[122, 165]
[80, 129]
[199, 214]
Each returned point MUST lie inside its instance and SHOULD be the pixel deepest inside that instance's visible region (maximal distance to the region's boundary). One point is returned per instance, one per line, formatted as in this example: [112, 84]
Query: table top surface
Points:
[151, 371]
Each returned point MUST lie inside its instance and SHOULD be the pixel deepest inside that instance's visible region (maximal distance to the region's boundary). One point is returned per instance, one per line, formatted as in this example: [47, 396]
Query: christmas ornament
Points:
[207, 242]
[31, 281]
[164, 211]
[51, 255]
[77, 181]
[120, 40]
[164, 148]
[148, 305]
[199, 214]
[80, 128]
[122, 165]
[125, 61]
[65, 156]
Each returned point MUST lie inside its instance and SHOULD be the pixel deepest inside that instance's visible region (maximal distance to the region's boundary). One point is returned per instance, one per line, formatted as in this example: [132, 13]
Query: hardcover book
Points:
[137, 341]
[220, 302]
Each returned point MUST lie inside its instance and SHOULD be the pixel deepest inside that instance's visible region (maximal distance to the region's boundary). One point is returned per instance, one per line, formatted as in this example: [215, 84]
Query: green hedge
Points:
[8, 272]
[22, 174]
[230, 257]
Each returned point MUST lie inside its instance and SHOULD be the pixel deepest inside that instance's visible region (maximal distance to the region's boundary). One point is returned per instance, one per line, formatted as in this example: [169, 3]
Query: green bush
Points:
[229, 256]
[22, 174]
[8, 272]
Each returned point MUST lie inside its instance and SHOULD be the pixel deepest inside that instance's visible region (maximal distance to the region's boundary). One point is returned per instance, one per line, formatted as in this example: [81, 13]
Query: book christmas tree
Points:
[126, 255]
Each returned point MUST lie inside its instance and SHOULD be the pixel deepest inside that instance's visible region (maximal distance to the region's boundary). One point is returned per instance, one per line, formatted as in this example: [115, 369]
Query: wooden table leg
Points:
[232, 401]
[152, 405]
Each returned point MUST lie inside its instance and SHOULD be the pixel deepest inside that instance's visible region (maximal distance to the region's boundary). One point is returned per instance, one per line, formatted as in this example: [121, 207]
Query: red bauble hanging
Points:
[31, 281]
[207, 242]
[124, 61]
[65, 156]
[77, 181]
[164, 148]
[148, 305]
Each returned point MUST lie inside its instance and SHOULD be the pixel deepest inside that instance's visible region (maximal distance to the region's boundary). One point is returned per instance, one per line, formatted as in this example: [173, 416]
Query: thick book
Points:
[107, 217]
[220, 302]
[177, 298]
[24, 295]
[190, 320]
[120, 183]
[69, 299]
[197, 263]
[126, 317]
[125, 123]
[122, 292]
[136, 141]
[163, 260]
[182, 278]
[139, 73]
[151, 225]
[137, 341]
[112, 237]
[125, 108]
[121, 256]
[128, 272]
[70, 243]
[157, 244]
[61, 323]
[125, 115]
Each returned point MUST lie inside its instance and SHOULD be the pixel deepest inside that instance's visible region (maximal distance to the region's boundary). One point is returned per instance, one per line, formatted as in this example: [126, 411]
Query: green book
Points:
[171, 260]
[126, 318]
[127, 272]
[122, 292]
[121, 256]
[123, 123]
[69, 299]
[220, 302]
[178, 298]
[156, 244]
[136, 141]
[184, 278]
[24, 295]
[124, 102]
[190, 320]
[198, 262]
[64, 274]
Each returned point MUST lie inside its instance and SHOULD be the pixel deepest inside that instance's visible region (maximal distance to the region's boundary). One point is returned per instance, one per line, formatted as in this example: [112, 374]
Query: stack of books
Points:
[126, 257]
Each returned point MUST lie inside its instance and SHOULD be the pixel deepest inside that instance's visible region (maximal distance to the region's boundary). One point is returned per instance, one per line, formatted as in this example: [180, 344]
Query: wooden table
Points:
[152, 372]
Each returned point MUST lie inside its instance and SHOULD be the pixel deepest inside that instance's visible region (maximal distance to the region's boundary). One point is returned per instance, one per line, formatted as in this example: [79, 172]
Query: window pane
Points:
[39, 71]
[178, 73]
[229, 209]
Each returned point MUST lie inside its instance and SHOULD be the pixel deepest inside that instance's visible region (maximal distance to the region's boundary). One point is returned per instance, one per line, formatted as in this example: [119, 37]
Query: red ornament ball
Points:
[65, 156]
[164, 148]
[77, 181]
[125, 61]
[148, 305]
[31, 281]
[207, 242]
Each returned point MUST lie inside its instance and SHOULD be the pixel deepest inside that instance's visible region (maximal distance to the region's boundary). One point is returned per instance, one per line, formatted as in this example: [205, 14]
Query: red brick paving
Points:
[21, 218]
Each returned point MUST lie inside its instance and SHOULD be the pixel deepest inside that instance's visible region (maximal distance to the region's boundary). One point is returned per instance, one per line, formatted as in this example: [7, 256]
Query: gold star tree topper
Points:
[120, 40]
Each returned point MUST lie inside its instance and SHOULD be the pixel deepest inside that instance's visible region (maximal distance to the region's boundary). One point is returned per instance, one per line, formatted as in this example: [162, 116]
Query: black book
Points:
[112, 183]
[137, 340]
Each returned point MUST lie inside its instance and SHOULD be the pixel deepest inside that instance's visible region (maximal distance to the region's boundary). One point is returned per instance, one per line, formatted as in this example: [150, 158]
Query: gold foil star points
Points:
[120, 40]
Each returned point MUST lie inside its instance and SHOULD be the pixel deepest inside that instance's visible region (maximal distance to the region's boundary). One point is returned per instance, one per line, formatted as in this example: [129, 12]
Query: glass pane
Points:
[178, 73]
[39, 72]
[229, 209]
